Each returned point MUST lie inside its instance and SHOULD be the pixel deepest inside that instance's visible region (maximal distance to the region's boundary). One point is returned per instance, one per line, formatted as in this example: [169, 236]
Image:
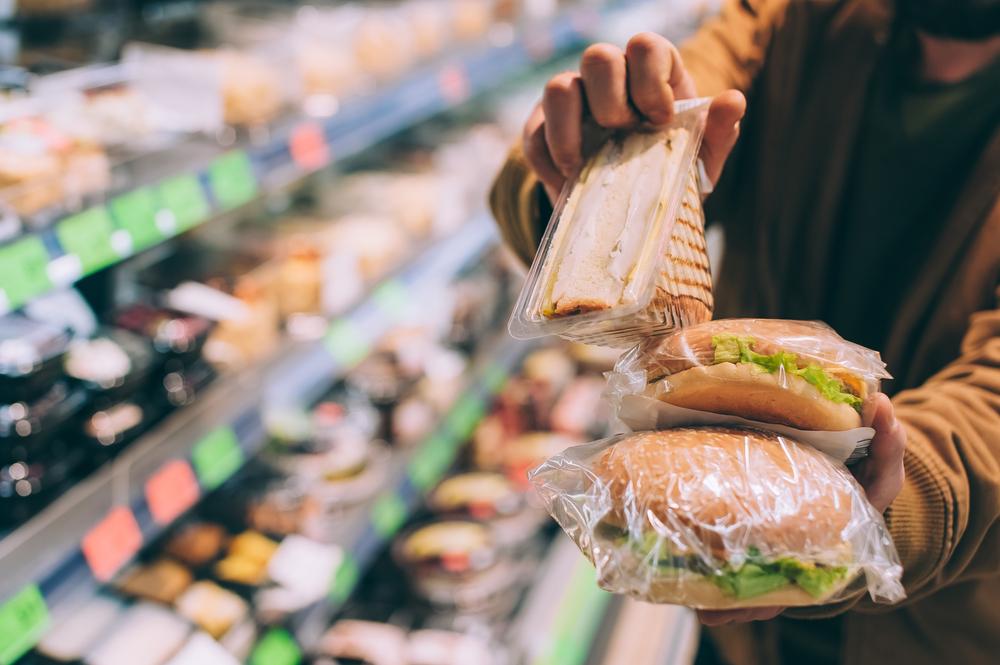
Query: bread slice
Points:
[601, 244]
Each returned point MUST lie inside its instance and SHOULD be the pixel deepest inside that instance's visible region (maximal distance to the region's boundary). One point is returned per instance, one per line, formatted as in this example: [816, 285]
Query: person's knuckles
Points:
[603, 72]
[560, 88]
[648, 60]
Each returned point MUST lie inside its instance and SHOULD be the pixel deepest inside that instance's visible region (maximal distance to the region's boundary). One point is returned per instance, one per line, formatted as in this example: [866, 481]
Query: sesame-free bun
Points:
[723, 490]
[743, 389]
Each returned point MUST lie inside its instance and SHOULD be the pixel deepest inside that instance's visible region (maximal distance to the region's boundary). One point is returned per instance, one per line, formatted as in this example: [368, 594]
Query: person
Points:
[861, 145]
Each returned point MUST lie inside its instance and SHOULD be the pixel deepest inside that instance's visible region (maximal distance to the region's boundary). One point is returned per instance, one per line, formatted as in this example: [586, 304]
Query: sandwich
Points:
[717, 518]
[607, 251]
[795, 373]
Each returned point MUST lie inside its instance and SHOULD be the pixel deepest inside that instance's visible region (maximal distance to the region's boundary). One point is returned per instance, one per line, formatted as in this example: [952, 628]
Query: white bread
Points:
[743, 389]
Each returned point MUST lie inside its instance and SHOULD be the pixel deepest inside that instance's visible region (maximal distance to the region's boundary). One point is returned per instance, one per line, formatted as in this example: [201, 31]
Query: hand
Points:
[616, 90]
[881, 474]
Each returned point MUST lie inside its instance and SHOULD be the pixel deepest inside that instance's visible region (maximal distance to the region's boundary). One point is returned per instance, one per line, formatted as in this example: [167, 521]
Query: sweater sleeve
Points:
[727, 52]
[946, 520]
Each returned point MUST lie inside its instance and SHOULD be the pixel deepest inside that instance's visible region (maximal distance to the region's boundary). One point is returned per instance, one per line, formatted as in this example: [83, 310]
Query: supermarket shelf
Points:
[96, 527]
[186, 196]
[365, 532]
[645, 634]
[561, 618]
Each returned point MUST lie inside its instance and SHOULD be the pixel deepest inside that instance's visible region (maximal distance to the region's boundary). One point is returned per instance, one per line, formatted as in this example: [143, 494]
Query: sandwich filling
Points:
[738, 349]
[756, 576]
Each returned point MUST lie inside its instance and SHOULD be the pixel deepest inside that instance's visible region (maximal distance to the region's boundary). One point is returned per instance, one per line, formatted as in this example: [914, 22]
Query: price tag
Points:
[388, 514]
[136, 213]
[580, 611]
[23, 620]
[87, 236]
[171, 491]
[431, 462]
[23, 271]
[232, 179]
[217, 457]
[346, 343]
[308, 147]
[345, 579]
[112, 543]
[465, 415]
[454, 84]
[277, 647]
[391, 298]
[185, 198]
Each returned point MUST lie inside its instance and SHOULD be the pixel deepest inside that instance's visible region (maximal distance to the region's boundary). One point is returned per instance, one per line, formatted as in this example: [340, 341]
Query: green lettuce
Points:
[737, 349]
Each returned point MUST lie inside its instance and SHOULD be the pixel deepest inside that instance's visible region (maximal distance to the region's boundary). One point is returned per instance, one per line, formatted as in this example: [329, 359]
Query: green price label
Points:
[24, 271]
[136, 213]
[217, 457]
[579, 614]
[431, 462]
[346, 343]
[184, 196]
[388, 514]
[391, 298]
[465, 415]
[345, 579]
[87, 235]
[23, 620]
[232, 179]
[495, 377]
[277, 647]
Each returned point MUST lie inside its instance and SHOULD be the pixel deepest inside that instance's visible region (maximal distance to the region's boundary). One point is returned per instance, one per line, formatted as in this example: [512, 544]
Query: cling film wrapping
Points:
[719, 518]
[624, 255]
[797, 374]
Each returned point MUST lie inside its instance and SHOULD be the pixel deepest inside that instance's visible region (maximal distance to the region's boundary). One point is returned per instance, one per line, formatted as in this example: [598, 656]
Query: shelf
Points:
[185, 195]
[95, 528]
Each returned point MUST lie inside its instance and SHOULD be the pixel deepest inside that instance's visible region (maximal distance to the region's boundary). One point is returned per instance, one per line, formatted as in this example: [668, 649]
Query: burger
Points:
[796, 373]
[713, 517]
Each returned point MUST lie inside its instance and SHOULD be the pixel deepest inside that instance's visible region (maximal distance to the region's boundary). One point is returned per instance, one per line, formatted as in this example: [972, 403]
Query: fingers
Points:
[723, 617]
[651, 68]
[562, 104]
[722, 129]
[536, 151]
[605, 80]
[882, 473]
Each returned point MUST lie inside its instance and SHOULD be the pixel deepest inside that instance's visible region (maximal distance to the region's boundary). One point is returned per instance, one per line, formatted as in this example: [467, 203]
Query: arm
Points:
[725, 54]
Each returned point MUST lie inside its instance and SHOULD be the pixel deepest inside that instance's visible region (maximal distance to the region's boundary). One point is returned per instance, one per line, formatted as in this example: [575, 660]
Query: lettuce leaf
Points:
[738, 349]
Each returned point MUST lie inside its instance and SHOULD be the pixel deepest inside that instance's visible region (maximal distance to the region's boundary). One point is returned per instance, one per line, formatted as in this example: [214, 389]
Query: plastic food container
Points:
[175, 336]
[456, 564]
[212, 608]
[110, 428]
[161, 581]
[197, 544]
[73, 634]
[492, 499]
[623, 257]
[146, 635]
[31, 356]
[112, 366]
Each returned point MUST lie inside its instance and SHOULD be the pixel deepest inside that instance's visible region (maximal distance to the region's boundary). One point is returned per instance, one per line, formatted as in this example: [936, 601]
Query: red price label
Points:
[454, 84]
[109, 545]
[308, 146]
[171, 491]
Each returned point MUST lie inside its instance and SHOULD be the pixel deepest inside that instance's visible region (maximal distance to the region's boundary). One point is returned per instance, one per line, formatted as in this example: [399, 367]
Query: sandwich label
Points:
[184, 197]
[24, 271]
[23, 620]
[88, 236]
[135, 212]
[232, 179]
[217, 457]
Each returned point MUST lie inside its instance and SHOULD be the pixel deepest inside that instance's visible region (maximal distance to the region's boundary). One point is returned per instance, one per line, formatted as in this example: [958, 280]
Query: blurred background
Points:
[258, 403]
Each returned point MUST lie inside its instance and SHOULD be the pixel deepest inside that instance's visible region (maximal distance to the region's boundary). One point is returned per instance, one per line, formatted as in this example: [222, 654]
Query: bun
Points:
[680, 587]
[741, 389]
[728, 490]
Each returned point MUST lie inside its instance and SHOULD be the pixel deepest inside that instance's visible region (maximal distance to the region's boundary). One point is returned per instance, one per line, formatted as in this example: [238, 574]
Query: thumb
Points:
[722, 128]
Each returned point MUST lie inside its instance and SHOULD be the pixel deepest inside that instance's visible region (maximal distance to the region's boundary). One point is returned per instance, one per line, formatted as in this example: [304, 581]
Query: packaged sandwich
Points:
[624, 256]
[720, 518]
[797, 378]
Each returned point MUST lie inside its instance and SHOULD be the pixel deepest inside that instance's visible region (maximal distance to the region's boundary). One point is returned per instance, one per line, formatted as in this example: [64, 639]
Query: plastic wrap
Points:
[795, 374]
[719, 518]
[624, 255]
